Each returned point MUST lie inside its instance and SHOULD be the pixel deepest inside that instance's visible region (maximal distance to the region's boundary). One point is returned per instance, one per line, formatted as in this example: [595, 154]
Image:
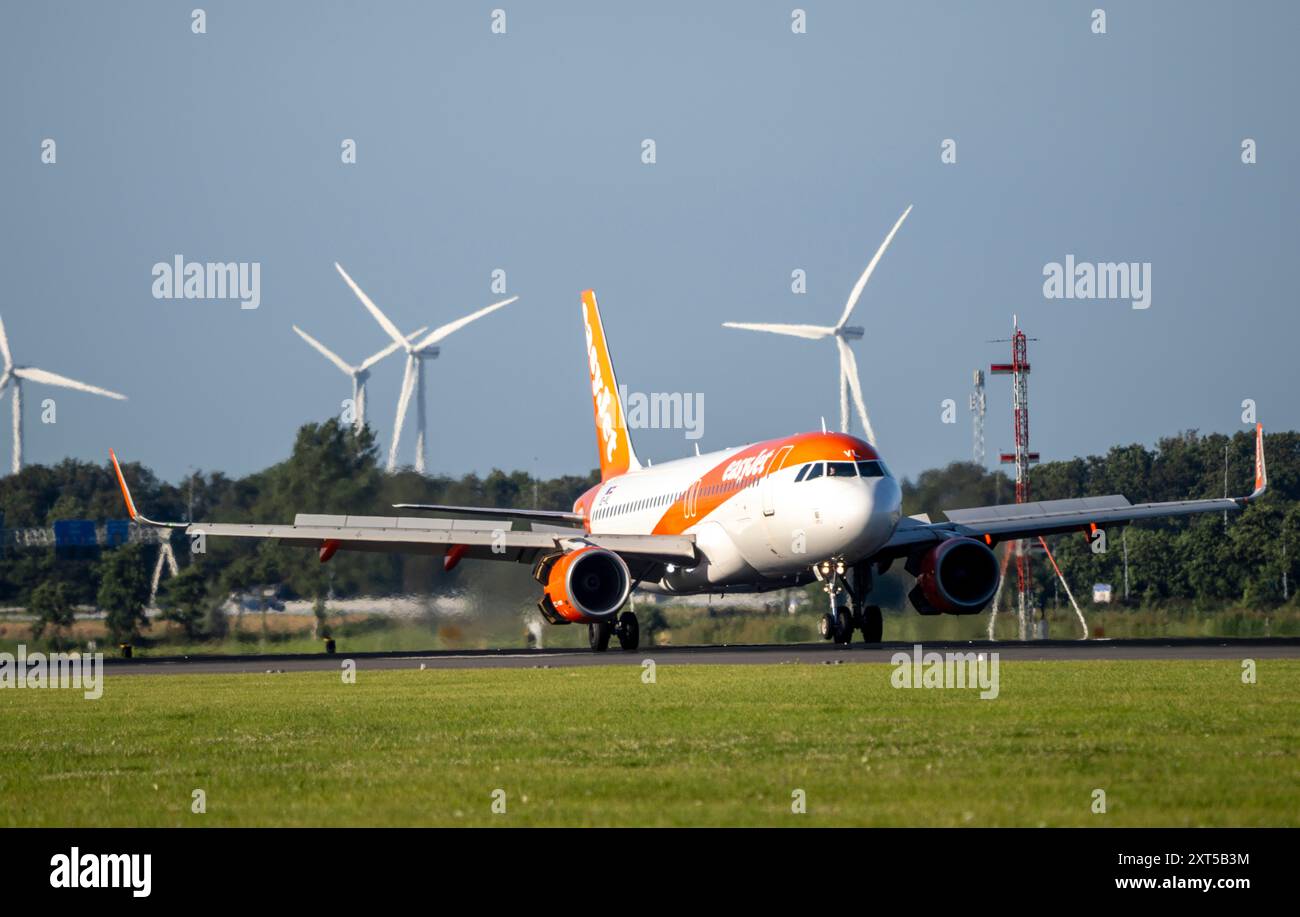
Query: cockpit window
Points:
[802, 471]
[871, 469]
[841, 470]
[814, 471]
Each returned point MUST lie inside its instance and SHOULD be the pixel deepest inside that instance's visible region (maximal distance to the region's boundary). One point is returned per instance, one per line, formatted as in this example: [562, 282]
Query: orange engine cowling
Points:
[957, 577]
[589, 584]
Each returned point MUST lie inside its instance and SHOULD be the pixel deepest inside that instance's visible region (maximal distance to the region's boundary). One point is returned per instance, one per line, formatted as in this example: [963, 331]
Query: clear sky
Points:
[523, 151]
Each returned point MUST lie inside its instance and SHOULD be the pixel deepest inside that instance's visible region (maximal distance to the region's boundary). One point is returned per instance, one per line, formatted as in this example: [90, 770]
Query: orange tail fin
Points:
[616, 453]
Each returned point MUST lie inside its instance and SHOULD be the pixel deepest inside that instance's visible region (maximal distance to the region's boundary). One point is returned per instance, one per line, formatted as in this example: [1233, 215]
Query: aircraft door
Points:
[777, 463]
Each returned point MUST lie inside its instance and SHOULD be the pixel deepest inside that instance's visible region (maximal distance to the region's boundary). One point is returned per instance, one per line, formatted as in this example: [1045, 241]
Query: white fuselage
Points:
[755, 524]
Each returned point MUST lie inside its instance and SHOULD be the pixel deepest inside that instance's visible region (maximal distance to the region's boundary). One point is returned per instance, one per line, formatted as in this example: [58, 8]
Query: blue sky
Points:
[522, 151]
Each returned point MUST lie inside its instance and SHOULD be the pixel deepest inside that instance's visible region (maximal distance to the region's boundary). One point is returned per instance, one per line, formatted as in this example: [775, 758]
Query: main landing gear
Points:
[626, 629]
[843, 619]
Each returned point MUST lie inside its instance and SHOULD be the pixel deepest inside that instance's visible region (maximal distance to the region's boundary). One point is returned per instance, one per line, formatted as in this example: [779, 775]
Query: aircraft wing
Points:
[475, 538]
[559, 517]
[485, 539]
[992, 524]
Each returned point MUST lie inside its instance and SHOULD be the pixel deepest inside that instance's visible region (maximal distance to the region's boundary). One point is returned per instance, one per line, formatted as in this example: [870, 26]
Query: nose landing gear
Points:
[839, 624]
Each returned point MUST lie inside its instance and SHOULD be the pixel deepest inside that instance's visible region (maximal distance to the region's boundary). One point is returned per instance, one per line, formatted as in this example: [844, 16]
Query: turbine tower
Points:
[416, 353]
[978, 404]
[15, 375]
[359, 373]
[843, 332]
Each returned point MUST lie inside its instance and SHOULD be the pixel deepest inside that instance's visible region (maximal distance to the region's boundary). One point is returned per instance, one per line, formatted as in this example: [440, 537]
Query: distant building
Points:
[1101, 593]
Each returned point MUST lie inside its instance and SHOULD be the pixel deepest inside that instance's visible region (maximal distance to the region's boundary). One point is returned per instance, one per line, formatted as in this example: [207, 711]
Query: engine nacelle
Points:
[589, 584]
[958, 577]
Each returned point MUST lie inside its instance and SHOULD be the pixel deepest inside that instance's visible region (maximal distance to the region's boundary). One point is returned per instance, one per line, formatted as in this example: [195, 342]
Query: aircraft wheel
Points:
[629, 631]
[843, 625]
[598, 634]
[873, 624]
[826, 627]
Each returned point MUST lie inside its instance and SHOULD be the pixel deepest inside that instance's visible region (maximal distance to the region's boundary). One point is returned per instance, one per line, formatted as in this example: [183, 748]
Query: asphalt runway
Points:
[764, 654]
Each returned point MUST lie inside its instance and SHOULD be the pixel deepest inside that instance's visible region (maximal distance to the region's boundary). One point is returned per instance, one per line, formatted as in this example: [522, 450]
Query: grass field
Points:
[1171, 743]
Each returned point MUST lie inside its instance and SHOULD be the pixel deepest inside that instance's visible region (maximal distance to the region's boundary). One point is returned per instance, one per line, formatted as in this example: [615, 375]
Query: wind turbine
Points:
[359, 373]
[16, 375]
[416, 354]
[843, 332]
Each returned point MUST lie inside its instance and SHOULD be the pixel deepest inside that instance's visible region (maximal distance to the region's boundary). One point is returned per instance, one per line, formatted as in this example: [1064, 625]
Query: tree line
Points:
[334, 469]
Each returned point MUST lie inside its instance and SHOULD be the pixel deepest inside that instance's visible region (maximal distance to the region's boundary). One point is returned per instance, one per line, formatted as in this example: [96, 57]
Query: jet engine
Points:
[589, 584]
[958, 577]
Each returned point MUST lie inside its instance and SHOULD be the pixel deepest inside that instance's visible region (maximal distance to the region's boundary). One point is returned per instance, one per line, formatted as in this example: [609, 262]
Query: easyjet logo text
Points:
[747, 467]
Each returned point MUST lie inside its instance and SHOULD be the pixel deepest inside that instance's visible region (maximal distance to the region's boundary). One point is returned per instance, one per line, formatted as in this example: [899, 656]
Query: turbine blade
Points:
[866, 275]
[855, 385]
[389, 328]
[48, 378]
[325, 351]
[375, 358]
[437, 334]
[403, 402]
[811, 332]
[4, 347]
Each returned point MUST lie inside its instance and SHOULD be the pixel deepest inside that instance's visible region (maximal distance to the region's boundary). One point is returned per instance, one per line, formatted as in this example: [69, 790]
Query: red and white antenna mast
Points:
[1018, 369]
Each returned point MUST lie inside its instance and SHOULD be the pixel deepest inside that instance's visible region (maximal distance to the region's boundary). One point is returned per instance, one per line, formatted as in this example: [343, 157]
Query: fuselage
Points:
[761, 514]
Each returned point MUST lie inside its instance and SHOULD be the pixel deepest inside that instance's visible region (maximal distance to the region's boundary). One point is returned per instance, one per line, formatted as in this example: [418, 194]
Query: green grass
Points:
[1171, 743]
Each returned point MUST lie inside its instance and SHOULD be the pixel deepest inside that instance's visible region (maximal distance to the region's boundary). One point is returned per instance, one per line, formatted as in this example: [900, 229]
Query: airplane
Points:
[774, 514]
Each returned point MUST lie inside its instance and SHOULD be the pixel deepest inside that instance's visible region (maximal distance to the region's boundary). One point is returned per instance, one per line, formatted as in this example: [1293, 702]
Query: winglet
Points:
[136, 517]
[126, 491]
[1261, 472]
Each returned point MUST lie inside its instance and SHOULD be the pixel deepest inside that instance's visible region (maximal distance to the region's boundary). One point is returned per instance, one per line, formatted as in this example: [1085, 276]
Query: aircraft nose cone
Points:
[888, 499]
[882, 507]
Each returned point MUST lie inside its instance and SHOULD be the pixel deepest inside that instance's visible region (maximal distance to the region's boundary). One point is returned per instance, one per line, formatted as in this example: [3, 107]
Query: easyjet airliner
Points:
[772, 515]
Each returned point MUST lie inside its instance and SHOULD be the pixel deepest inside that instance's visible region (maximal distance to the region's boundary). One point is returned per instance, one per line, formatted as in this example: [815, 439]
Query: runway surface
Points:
[765, 654]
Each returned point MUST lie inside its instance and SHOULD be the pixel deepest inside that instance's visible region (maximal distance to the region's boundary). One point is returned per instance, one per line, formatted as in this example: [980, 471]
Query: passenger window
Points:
[841, 470]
